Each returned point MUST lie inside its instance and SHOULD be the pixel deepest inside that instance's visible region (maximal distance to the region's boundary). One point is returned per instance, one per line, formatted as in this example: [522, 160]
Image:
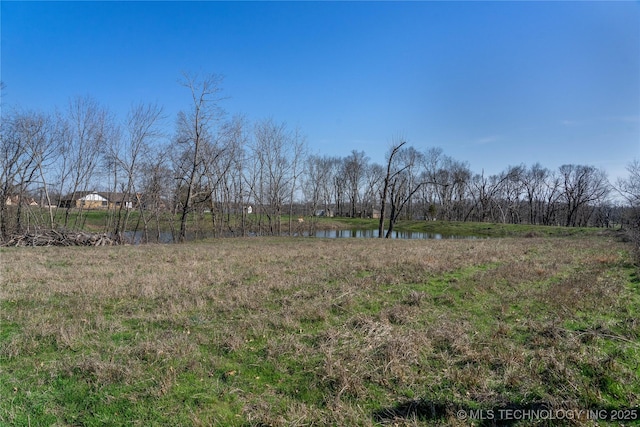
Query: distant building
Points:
[97, 200]
[16, 200]
[325, 212]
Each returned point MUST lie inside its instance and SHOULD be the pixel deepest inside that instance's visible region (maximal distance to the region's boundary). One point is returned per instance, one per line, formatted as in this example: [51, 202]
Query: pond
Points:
[167, 237]
[364, 234]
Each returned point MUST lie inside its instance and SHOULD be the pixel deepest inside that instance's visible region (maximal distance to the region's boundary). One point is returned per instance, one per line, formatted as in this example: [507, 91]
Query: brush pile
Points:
[59, 238]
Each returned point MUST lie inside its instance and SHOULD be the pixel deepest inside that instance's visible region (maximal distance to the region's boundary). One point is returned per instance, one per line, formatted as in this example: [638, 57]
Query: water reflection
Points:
[167, 237]
[338, 234]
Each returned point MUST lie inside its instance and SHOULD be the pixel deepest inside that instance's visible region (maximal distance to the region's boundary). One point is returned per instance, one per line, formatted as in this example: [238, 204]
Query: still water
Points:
[166, 237]
[338, 234]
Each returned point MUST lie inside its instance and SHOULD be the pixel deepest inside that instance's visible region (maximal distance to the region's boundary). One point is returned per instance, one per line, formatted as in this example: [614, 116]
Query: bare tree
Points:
[315, 175]
[141, 130]
[629, 189]
[583, 186]
[403, 183]
[86, 131]
[447, 179]
[28, 148]
[395, 148]
[551, 195]
[157, 187]
[331, 164]
[512, 190]
[484, 191]
[194, 132]
[433, 158]
[276, 153]
[339, 186]
[374, 177]
[318, 185]
[254, 177]
[533, 181]
[354, 171]
[222, 156]
[480, 190]
[43, 145]
[238, 136]
[298, 150]
[14, 159]
[399, 184]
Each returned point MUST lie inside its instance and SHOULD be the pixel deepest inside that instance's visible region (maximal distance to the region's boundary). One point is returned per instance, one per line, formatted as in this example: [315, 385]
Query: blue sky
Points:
[491, 83]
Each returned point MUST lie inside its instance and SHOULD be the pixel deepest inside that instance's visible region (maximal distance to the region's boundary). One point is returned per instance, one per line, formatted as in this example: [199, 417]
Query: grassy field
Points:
[285, 331]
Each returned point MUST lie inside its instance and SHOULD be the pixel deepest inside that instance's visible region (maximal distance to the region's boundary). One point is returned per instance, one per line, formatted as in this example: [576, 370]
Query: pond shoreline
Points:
[341, 228]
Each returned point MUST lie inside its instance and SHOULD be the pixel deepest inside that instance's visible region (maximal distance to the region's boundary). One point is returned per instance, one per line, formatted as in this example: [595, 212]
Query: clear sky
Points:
[491, 83]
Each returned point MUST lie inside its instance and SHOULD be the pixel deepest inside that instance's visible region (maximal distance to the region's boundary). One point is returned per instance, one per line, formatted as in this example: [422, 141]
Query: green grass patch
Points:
[291, 331]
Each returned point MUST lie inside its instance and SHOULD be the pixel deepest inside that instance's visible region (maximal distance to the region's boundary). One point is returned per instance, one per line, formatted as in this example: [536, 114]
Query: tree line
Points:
[244, 177]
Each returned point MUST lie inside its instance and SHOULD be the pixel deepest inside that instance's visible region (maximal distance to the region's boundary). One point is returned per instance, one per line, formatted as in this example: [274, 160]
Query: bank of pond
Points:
[343, 228]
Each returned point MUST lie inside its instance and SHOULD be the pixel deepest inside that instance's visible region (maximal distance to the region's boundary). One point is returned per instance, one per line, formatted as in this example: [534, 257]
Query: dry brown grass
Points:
[310, 331]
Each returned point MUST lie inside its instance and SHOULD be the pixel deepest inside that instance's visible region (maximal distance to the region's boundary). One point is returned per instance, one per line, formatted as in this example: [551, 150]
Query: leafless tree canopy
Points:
[629, 189]
[230, 176]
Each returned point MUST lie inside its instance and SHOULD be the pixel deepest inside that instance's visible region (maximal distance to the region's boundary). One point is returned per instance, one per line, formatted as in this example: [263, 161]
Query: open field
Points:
[285, 331]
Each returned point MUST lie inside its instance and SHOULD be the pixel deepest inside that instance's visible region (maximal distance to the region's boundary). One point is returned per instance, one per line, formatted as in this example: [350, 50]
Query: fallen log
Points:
[59, 238]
